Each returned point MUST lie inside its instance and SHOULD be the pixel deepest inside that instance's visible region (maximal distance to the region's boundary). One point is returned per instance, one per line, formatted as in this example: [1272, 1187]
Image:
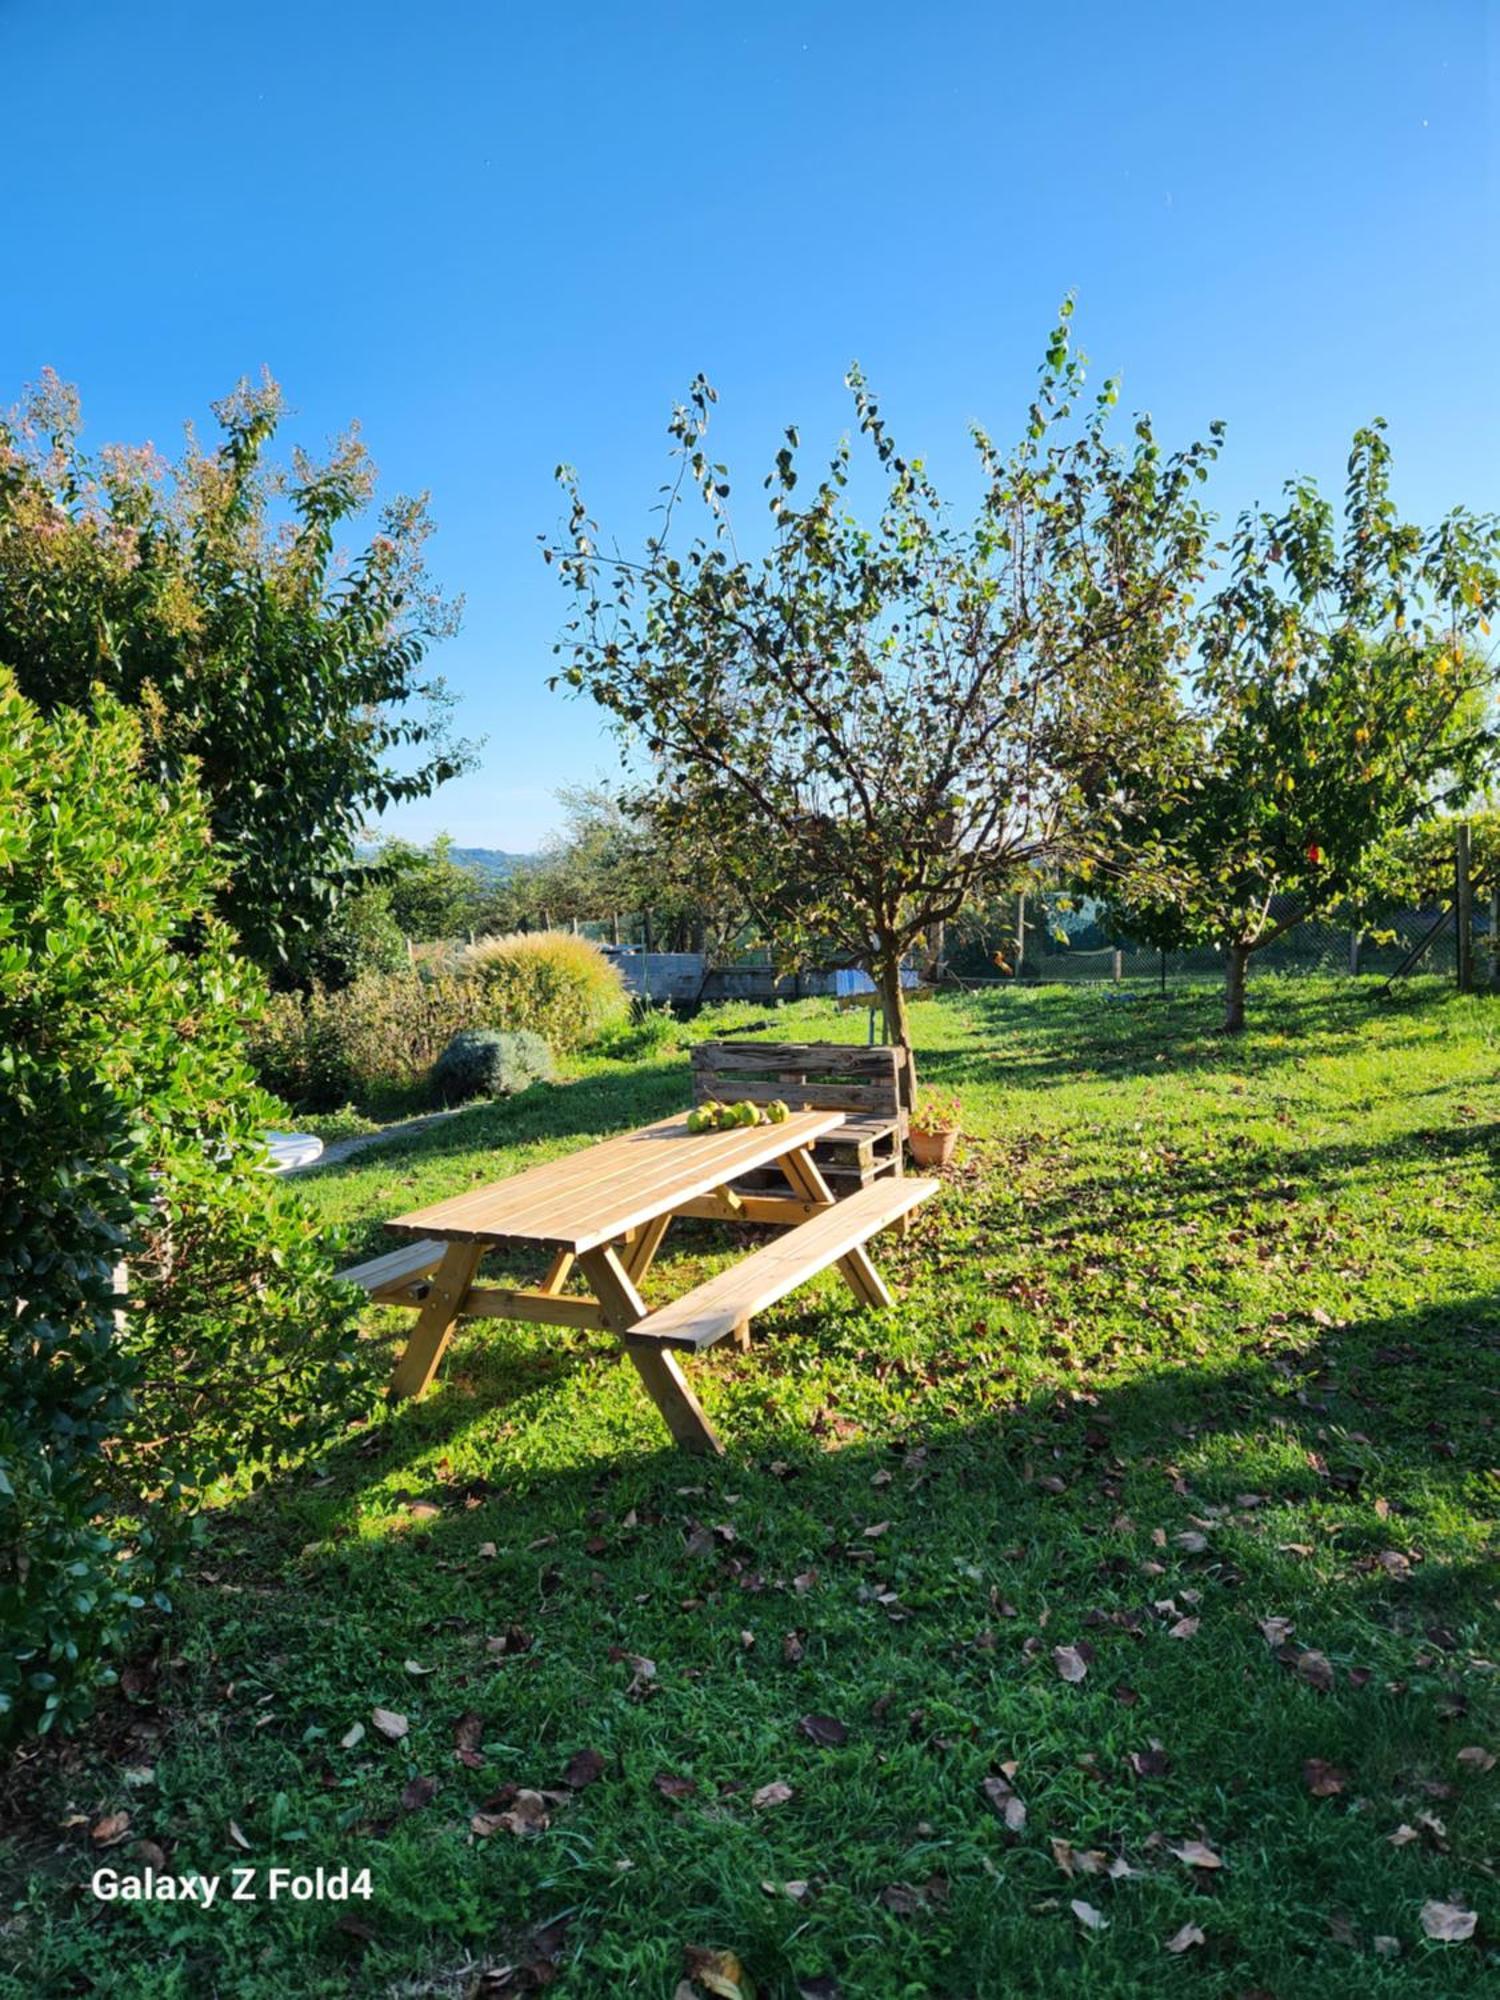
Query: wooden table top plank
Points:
[635, 1184]
[592, 1196]
[590, 1181]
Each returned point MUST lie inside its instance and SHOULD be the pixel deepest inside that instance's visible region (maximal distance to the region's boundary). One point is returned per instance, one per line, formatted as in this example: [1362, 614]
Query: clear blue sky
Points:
[501, 236]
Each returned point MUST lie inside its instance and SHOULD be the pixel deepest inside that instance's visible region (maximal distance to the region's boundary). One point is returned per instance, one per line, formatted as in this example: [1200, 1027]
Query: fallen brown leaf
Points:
[1449, 1923]
[113, 1827]
[775, 1794]
[391, 1725]
[1314, 1668]
[584, 1766]
[1070, 1663]
[1185, 1939]
[1011, 1809]
[718, 1972]
[824, 1730]
[1323, 1780]
[1197, 1855]
[673, 1787]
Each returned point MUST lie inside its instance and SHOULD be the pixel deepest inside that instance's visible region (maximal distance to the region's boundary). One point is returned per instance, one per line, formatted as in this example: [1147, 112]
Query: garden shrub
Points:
[361, 936]
[131, 1133]
[560, 986]
[380, 1035]
[490, 1062]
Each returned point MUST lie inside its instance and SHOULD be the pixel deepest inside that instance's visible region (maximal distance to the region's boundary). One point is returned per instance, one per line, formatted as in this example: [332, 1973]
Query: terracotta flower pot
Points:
[932, 1149]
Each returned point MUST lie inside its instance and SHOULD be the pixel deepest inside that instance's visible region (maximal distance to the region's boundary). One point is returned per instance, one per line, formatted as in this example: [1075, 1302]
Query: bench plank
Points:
[725, 1302]
[394, 1270]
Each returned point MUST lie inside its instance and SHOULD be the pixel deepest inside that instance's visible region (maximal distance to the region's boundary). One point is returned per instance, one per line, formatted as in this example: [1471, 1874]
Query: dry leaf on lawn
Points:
[1069, 1662]
[1185, 1939]
[389, 1723]
[1449, 1923]
[584, 1766]
[1088, 1916]
[824, 1730]
[1197, 1855]
[718, 1972]
[1323, 1780]
[775, 1794]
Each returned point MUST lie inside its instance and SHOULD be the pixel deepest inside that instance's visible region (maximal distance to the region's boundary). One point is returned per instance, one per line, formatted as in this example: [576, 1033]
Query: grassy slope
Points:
[1247, 1295]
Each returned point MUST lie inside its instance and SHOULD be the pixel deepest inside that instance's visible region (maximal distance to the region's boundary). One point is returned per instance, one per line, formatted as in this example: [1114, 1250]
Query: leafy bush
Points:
[650, 1030]
[361, 936]
[490, 1062]
[131, 1135]
[560, 986]
[382, 1034]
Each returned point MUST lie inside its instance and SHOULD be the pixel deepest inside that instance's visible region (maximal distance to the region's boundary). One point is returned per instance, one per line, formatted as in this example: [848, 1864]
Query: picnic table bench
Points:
[604, 1211]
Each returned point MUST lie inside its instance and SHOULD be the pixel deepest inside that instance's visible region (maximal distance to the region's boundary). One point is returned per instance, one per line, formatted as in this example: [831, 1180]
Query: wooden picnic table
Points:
[605, 1210]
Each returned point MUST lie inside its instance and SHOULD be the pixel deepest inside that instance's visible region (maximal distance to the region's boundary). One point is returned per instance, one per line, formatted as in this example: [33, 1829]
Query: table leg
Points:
[801, 1169]
[435, 1322]
[858, 1272]
[658, 1369]
[557, 1273]
[642, 1252]
[863, 1279]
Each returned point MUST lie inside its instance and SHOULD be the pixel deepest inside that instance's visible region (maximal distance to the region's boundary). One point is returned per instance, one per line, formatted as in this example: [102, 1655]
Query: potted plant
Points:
[932, 1131]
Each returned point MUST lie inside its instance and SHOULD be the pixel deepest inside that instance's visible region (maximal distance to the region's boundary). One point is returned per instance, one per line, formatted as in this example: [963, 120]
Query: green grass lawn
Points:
[1191, 1385]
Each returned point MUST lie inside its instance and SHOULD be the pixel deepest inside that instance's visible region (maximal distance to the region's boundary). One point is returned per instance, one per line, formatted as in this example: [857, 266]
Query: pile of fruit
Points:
[716, 1117]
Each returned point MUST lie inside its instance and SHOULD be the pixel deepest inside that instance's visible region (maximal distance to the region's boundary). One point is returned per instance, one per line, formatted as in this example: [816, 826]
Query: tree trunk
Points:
[897, 1024]
[1463, 909]
[1236, 958]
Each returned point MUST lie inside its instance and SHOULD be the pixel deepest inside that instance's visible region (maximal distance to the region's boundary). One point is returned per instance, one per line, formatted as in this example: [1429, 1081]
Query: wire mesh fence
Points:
[1312, 947]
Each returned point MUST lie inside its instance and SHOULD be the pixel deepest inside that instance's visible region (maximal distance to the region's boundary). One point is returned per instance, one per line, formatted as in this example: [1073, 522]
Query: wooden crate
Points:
[815, 1076]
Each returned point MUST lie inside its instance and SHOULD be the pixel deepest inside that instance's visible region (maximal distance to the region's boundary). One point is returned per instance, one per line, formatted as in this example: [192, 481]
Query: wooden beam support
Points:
[436, 1320]
[783, 1211]
[642, 1253]
[659, 1371]
[546, 1308]
[557, 1272]
[864, 1280]
[801, 1170]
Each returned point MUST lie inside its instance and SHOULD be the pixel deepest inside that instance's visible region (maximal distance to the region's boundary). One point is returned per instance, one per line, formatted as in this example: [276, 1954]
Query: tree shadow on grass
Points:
[1082, 1205]
[1029, 1036]
[924, 1559]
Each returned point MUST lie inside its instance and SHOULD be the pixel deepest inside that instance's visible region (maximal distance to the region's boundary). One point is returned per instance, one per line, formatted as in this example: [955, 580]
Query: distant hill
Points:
[490, 860]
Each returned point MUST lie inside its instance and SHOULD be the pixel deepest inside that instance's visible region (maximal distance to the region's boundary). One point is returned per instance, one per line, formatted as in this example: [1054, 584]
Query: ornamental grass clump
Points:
[560, 986]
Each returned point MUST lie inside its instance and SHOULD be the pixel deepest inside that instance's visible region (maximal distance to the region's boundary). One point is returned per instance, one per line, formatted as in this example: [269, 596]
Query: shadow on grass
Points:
[1025, 1036]
[1219, 1186]
[905, 1559]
